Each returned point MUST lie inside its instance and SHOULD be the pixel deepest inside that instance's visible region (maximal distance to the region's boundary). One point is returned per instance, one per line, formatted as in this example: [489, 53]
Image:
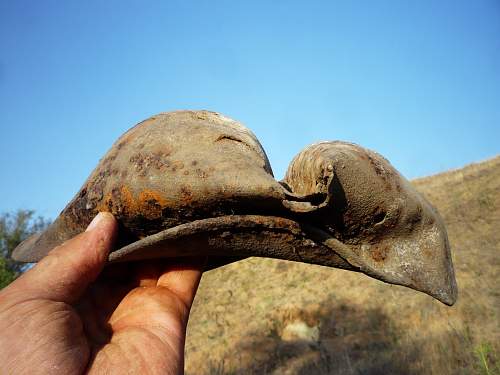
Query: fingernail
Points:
[95, 221]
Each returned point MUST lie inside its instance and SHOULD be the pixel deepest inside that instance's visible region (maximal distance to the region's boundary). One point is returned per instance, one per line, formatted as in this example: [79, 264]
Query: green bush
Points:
[15, 228]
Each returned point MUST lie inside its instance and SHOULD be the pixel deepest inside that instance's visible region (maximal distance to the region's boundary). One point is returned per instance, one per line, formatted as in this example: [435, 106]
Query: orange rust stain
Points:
[148, 194]
[186, 195]
[149, 203]
[127, 200]
[379, 254]
[106, 204]
[118, 201]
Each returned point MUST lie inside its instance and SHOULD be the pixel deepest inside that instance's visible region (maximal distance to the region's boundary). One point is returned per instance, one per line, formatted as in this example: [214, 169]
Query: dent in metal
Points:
[196, 182]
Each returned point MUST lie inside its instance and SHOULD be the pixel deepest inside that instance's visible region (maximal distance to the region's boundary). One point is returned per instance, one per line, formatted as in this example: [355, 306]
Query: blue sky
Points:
[417, 81]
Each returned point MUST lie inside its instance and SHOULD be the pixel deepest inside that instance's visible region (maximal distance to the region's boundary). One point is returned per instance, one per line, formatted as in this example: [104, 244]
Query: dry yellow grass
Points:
[244, 312]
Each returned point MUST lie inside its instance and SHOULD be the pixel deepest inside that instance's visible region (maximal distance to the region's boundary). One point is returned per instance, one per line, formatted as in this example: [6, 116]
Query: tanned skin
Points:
[70, 315]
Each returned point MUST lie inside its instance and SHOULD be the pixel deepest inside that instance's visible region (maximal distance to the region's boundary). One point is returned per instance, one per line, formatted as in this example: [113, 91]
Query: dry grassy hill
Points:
[264, 316]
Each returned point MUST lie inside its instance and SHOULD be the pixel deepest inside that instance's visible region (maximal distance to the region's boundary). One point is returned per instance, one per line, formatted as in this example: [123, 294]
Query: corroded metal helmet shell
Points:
[195, 182]
[374, 218]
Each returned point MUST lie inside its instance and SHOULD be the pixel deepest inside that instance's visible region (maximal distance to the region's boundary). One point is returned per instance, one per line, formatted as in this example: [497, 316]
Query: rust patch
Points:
[151, 204]
[127, 200]
[122, 203]
[109, 158]
[82, 193]
[96, 187]
[177, 165]
[201, 173]
[379, 253]
[77, 215]
[186, 195]
[143, 162]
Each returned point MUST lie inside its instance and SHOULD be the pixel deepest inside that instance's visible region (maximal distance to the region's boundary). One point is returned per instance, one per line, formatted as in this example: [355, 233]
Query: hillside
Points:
[263, 316]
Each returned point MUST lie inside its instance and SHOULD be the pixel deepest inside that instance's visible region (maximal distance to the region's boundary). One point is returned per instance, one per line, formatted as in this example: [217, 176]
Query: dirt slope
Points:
[263, 316]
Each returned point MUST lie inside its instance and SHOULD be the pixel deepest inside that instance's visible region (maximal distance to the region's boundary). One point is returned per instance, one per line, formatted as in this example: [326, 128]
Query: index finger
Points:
[183, 278]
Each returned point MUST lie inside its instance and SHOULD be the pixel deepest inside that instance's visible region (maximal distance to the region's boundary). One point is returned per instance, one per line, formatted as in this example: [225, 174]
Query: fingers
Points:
[68, 269]
[183, 279]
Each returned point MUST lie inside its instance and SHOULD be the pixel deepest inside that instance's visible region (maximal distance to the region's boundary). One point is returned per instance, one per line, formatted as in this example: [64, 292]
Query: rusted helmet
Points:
[193, 183]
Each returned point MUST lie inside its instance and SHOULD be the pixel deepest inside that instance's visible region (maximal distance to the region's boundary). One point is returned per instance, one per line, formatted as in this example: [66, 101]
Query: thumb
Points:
[64, 274]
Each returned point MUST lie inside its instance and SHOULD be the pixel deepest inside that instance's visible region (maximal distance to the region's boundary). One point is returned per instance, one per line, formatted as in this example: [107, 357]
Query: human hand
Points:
[65, 316]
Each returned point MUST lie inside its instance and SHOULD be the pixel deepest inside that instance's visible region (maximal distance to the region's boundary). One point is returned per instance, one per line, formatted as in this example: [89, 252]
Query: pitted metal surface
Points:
[188, 183]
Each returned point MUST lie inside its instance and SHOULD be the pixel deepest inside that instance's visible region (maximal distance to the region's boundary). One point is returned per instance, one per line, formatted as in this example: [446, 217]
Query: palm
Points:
[67, 315]
[132, 323]
[130, 320]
